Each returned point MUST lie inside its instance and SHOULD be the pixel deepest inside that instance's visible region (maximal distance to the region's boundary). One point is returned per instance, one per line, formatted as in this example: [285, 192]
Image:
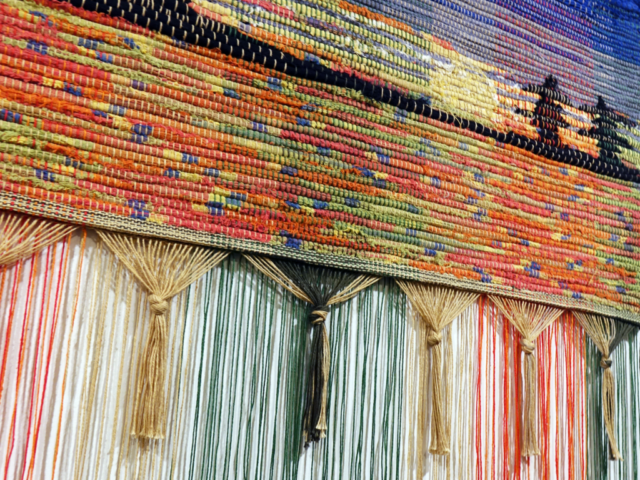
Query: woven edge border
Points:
[108, 221]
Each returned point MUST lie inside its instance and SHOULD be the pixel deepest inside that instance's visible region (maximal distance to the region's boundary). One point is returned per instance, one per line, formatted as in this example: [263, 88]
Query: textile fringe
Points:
[437, 307]
[530, 319]
[164, 269]
[21, 236]
[321, 287]
[606, 336]
[234, 355]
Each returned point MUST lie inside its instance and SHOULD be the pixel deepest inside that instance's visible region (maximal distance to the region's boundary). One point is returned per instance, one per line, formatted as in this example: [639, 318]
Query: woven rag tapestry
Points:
[319, 239]
[489, 145]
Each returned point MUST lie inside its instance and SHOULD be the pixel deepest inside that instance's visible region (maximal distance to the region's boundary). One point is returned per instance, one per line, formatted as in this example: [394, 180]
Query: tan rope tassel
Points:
[21, 236]
[164, 269]
[609, 407]
[530, 408]
[530, 319]
[149, 412]
[440, 438]
[602, 332]
[437, 307]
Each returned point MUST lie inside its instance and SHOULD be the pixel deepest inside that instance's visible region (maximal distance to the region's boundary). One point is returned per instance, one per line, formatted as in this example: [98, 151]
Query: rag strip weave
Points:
[185, 125]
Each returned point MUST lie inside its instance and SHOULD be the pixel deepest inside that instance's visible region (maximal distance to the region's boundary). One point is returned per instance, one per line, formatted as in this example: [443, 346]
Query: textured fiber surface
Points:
[484, 143]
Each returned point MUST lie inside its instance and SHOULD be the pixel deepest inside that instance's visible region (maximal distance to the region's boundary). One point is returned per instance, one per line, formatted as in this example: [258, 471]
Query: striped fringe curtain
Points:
[236, 376]
[70, 317]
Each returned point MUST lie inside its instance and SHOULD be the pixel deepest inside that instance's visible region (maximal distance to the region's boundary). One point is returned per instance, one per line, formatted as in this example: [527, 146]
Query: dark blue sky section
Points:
[608, 26]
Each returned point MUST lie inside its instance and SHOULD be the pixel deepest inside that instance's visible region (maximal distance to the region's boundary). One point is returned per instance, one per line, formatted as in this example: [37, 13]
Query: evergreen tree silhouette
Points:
[606, 122]
[547, 114]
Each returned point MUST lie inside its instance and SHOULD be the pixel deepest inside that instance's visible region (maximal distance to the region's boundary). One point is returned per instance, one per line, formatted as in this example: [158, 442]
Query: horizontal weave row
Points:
[102, 114]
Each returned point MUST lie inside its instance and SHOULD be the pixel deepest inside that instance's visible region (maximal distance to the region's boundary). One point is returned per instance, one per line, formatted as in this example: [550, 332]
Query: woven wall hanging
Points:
[474, 160]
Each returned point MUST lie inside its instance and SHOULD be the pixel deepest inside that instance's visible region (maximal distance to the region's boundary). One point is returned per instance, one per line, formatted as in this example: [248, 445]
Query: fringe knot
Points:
[605, 362]
[157, 305]
[528, 347]
[319, 314]
[434, 338]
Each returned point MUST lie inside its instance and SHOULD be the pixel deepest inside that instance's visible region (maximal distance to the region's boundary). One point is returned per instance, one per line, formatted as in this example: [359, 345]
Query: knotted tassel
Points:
[530, 408]
[440, 425]
[149, 414]
[164, 269]
[530, 319]
[609, 406]
[437, 307]
[315, 418]
[321, 287]
[607, 335]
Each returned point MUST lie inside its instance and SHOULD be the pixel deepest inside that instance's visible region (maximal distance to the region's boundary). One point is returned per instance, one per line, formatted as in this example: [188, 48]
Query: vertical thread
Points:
[25, 322]
[100, 275]
[76, 296]
[60, 284]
